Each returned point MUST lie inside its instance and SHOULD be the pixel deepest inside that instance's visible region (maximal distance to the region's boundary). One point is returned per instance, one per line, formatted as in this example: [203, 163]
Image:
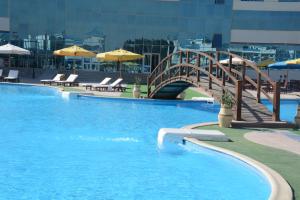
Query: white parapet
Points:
[205, 99]
[176, 135]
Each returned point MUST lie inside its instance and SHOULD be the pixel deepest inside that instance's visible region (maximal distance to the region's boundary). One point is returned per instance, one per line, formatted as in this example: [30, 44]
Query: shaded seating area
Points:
[71, 81]
[58, 77]
[13, 76]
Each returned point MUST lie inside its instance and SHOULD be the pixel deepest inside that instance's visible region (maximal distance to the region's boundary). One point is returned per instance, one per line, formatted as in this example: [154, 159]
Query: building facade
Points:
[253, 28]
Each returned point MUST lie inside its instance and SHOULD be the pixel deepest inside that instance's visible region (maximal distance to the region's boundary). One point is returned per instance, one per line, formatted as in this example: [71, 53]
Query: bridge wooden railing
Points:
[190, 66]
[241, 74]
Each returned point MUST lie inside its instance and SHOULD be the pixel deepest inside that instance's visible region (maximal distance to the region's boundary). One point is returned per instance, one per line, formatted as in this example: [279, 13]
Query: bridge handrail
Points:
[212, 58]
[154, 72]
[251, 65]
[253, 83]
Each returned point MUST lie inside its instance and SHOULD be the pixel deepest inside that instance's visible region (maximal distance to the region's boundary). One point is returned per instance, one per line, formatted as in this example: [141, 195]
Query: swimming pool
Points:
[288, 108]
[59, 147]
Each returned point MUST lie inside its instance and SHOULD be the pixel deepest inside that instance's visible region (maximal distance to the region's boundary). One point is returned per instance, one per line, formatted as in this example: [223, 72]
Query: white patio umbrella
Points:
[235, 61]
[10, 49]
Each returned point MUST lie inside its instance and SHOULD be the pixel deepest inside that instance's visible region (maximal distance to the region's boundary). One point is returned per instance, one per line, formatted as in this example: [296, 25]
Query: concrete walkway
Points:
[279, 139]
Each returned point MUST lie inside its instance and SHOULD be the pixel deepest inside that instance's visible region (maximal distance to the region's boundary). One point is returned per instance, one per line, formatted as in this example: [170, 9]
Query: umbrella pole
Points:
[119, 66]
[74, 66]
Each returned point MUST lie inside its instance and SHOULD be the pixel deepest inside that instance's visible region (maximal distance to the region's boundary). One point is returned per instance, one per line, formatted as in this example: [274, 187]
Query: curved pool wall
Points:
[288, 108]
[60, 147]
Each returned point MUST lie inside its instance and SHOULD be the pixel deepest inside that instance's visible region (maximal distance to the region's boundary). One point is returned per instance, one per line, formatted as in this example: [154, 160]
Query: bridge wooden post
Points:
[243, 75]
[258, 99]
[217, 67]
[230, 65]
[148, 87]
[198, 65]
[238, 100]
[180, 61]
[161, 75]
[223, 81]
[170, 64]
[187, 61]
[210, 74]
[187, 57]
[276, 102]
[180, 57]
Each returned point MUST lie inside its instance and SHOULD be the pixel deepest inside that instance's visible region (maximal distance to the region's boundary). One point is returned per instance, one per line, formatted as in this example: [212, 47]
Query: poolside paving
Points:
[279, 139]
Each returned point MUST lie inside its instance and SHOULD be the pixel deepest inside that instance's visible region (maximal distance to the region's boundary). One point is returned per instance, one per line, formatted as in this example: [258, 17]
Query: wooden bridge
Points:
[183, 69]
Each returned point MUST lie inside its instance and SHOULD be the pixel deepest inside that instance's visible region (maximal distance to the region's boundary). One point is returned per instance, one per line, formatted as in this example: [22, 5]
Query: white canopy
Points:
[11, 49]
[235, 61]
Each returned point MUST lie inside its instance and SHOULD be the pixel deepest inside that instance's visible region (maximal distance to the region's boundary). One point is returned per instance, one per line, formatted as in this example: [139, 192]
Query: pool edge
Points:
[280, 189]
[98, 96]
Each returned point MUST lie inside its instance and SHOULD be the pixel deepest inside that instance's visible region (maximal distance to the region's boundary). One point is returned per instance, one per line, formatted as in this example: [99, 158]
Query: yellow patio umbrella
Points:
[265, 63]
[74, 51]
[119, 56]
[293, 62]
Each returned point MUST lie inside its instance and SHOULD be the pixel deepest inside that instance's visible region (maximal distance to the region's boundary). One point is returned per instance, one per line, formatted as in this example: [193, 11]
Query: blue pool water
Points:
[288, 109]
[52, 147]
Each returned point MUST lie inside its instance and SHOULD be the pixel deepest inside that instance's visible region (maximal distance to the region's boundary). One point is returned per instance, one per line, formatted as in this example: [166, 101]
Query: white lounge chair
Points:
[50, 81]
[103, 82]
[112, 87]
[13, 75]
[71, 81]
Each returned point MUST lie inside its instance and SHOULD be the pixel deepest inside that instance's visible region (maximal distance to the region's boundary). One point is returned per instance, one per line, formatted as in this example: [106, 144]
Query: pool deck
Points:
[279, 139]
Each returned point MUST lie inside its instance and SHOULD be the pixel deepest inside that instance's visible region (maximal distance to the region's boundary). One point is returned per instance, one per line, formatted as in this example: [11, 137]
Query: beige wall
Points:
[263, 36]
[266, 5]
[4, 24]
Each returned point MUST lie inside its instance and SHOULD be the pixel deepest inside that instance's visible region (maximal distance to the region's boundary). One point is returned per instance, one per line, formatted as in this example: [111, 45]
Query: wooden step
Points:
[262, 124]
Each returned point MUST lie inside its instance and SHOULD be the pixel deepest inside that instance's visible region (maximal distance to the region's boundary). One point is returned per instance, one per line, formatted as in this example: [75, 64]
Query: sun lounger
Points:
[71, 81]
[49, 81]
[103, 82]
[112, 87]
[13, 75]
